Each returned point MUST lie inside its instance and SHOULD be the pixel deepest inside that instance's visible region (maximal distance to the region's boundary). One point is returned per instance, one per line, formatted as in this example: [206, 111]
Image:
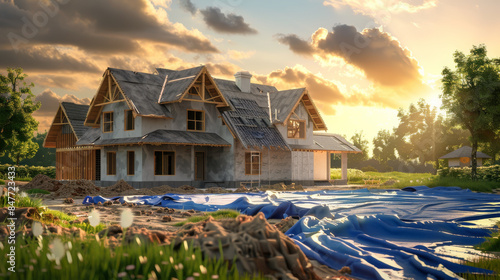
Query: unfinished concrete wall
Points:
[302, 166]
[321, 165]
[275, 165]
[119, 131]
[213, 122]
[303, 115]
[121, 163]
[183, 163]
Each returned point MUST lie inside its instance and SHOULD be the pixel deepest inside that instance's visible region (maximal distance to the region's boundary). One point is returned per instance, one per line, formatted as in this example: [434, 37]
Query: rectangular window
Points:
[296, 129]
[252, 163]
[129, 120]
[111, 163]
[164, 163]
[107, 123]
[130, 162]
[195, 120]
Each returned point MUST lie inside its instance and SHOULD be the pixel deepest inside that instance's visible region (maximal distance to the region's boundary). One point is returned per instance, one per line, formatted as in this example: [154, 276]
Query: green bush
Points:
[25, 171]
[484, 173]
[369, 168]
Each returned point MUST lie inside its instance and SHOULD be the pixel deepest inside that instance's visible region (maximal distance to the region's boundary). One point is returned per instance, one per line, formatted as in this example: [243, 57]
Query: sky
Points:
[361, 60]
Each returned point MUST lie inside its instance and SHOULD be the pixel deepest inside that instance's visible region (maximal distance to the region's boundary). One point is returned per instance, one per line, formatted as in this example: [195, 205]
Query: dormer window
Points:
[297, 129]
[107, 123]
[129, 120]
[195, 120]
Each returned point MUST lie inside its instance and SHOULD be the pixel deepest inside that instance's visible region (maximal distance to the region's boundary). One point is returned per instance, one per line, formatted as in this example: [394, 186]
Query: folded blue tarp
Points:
[380, 234]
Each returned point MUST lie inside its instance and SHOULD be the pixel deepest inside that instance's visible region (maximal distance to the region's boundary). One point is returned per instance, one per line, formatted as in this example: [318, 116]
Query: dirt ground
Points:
[148, 217]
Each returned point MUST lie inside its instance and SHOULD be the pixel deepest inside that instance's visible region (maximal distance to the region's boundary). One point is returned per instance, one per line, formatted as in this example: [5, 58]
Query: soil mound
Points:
[117, 189]
[77, 188]
[257, 246]
[43, 182]
[216, 190]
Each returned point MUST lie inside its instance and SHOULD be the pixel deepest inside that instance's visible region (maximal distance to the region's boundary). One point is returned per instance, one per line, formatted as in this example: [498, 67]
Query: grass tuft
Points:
[35, 191]
[218, 215]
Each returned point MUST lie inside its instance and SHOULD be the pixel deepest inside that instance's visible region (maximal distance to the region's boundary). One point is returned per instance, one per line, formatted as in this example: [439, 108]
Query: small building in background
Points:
[461, 157]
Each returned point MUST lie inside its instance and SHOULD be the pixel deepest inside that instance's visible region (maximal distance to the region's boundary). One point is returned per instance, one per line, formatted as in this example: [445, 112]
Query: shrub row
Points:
[486, 173]
[23, 171]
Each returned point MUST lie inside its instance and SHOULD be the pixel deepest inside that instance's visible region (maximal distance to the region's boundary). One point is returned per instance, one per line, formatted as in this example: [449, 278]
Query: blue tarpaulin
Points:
[414, 233]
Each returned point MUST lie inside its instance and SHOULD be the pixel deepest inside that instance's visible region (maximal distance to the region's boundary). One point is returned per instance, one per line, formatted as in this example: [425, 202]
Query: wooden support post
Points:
[344, 166]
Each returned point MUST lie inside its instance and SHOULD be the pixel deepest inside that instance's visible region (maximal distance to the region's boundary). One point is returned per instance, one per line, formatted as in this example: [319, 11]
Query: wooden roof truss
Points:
[203, 89]
[311, 109]
[60, 119]
[109, 92]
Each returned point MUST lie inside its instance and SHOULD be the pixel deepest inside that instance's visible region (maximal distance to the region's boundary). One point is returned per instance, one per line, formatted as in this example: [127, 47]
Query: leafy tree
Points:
[16, 107]
[384, 146]
[43, 157]
[362, 144]
[420, 133]
[471, 95]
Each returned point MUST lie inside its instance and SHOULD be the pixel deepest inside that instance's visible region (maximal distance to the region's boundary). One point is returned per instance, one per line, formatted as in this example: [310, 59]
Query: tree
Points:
[384, 146]
[471, 95]
[44, 156]
[419, 134]
[362, 144]
[16, 108]
[20, 150]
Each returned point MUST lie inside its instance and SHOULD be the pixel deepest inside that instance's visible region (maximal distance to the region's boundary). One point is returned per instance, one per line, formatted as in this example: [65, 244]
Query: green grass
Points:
[486, 263]
[91, 259]
[218, 215]
[24, 179]
[356, 176]
[2, 182]
[21, 201]
[35, 191]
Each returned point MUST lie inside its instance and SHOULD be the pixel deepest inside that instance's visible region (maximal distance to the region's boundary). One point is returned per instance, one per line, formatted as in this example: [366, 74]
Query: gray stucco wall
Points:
[121, 163]
[275, 165]
[119, 122]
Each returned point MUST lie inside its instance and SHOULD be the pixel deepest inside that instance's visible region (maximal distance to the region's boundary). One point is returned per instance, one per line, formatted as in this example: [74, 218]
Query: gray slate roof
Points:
[464, 151]
[249, 119]
[177, 82]
[283, 101]
[90, 136]
[328, 142]
[169, 137]
[143, 90]
[252, 126]
[76, 114]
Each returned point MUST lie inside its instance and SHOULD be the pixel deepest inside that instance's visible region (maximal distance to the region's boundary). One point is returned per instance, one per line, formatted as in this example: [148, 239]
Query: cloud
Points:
[324, 92]
[392, 69]
[116, 26]
[381, 9]
[295, 44]
[231, 23]
[45, 58]
[237, 55]
[188, 6]
[49, 105]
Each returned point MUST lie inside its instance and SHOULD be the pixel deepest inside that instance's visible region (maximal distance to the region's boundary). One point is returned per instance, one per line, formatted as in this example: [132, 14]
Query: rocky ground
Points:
[276, 254]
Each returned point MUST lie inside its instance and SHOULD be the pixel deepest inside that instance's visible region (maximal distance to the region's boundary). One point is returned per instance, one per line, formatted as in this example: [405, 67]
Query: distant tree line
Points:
[471, 98]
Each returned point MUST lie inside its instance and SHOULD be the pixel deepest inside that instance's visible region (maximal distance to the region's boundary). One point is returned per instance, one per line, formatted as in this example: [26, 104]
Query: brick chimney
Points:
[243, 80]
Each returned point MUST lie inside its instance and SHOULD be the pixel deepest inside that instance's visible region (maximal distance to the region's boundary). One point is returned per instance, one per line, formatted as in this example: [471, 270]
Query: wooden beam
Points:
[203, 101]
[203, 86]
[111, 102]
